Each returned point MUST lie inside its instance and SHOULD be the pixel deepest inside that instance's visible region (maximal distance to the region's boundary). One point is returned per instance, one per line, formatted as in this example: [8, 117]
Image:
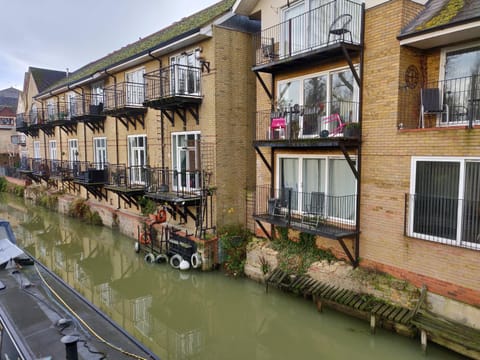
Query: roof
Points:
[46, 77]
[9, 98]
[6, 111]
[172, 33]
[441, 14]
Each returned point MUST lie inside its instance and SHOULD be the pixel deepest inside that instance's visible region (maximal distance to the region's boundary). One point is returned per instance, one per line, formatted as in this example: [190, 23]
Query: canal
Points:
[194, 315]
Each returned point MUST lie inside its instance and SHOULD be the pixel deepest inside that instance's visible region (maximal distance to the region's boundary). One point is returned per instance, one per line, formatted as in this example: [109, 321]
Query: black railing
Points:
[181, 183]
[457, 101]
[34, 117]
[312, 211]
[451, 221]
[88, 172]
[335, 21]
[128, 177]
[305, 122]
[41, 167]
[87, 105]
[174, 80]
[124, 95]
[64, 169]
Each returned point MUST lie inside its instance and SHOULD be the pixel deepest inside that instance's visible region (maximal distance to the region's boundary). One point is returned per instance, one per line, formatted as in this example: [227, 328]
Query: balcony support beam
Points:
[267, 164]
[352, 67]
[349, 161]
[353, 260]
[265, 88]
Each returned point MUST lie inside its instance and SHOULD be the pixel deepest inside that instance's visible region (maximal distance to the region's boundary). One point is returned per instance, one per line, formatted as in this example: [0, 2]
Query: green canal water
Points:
[195, 315]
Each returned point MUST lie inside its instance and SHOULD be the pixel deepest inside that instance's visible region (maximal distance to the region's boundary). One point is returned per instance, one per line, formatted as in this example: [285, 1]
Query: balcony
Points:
[450, 221]
[324, 125]
[30, 123]
[124, 98]
[88, 109]
[87, 173]
[456, 103]
[63, 170]
[127, 182]
[175, 86]
[174, 186]
[311, 212]
[317, 35]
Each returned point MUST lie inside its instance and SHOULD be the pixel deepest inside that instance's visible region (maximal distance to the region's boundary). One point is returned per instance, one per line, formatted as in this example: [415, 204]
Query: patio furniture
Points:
[277, 128]
[431, 103]
[314, 210]
[339, 28]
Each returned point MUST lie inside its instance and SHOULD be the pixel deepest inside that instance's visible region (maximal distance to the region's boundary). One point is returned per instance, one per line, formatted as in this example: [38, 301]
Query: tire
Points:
[150, 258]
[196, 260]
[137, 247]
[175, 261]
[161, 258]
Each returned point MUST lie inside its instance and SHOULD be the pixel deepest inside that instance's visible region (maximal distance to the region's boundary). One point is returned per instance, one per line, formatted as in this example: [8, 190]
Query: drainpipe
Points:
[70, 342]
[116, 120]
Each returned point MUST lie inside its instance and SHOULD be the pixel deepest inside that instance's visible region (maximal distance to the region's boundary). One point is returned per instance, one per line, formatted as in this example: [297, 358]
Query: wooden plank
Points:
[394, 313]
[339, 295]
[341, 299]
[382, 309]
[349, 298]
[314, 288]
[376, 308]
[329, 293]
[401, 315]
[322, 288]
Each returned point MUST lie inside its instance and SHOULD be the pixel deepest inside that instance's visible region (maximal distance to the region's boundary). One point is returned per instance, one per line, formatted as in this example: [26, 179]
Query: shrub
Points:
[147, 206]
[3, 184]
[234, 240]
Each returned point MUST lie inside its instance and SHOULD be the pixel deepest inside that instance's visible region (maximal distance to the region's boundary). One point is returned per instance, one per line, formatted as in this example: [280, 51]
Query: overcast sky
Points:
[59, 34]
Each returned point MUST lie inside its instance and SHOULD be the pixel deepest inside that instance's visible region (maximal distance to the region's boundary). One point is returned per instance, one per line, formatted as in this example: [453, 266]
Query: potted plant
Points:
[352, 130]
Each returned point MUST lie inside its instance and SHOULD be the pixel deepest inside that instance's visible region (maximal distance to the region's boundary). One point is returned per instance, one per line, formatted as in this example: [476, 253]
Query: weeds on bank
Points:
[79, 209]
[16, 190]
[296, 256]
[233, 241]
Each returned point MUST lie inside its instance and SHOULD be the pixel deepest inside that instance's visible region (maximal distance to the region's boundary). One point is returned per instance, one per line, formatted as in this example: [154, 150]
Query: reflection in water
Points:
[194, 315]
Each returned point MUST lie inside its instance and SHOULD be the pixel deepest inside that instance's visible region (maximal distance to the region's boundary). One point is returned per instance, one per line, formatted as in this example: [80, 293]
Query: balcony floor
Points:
[326, 230]
[306, 58]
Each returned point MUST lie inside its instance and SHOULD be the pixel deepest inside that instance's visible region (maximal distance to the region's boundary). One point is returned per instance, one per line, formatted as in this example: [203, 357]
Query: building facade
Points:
[401, 196]
[156, 121]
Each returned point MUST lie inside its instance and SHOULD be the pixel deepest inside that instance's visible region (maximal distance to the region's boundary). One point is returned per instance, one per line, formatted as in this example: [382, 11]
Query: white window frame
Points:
[328, 74]
[73, 150]
[300, 159]
[50, 110]
[176, 160]
[52, 146]
[135, 90]
[96, 91]
[441, 76]
[36, 150]
[100, 154]
[136, 162]
[461, 187]
[183, 59]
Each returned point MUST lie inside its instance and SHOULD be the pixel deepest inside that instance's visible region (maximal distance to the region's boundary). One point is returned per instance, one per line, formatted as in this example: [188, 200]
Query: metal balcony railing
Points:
[458, 102]
[87, 105]
[131, 177]
[451, 221]
[181, 183]
[310, 31]
[306, 122]
[124, 95]
[316, 212]
[171, 81]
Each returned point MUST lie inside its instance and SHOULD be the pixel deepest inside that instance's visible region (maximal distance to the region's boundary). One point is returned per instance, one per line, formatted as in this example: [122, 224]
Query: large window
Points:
[445, 200]
[135, 87]
[309, 101]
[185, 74]
[461, 79]
[100, 152]
[186, 160]
[137, 158]
[329, 176]
[52, 144]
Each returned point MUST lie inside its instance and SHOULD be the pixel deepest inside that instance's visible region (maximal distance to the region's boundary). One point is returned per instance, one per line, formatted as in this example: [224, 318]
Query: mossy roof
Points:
[44, 78]
[442, 13]
[174, 32]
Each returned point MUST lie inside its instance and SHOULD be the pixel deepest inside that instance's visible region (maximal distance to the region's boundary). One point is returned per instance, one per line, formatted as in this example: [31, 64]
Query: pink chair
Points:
[278, 128]
[337, 124]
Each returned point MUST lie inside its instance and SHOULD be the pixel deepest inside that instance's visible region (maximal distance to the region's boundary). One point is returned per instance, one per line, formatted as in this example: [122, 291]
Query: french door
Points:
[137, 158]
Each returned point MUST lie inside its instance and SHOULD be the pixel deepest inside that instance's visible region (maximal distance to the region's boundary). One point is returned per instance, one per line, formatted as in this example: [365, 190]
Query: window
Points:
[97, 93]
[185, 74]
[53, 149]
[445, 200]
[186, 160]
[71, 105]
[100, 152]
[461, 83]
[36, 150]
[73, 150]
[50, 110]
[135, 87]
[331, 176]
[317, 96]
[137, 158]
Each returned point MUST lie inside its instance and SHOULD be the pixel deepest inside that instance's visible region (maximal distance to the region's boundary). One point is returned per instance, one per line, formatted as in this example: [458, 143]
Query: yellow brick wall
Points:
[386, 160]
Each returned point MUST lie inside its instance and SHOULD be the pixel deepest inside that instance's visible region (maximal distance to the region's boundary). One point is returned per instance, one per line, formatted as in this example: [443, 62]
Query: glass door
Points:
[137, 158]
[134, 87]
[100, 152]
